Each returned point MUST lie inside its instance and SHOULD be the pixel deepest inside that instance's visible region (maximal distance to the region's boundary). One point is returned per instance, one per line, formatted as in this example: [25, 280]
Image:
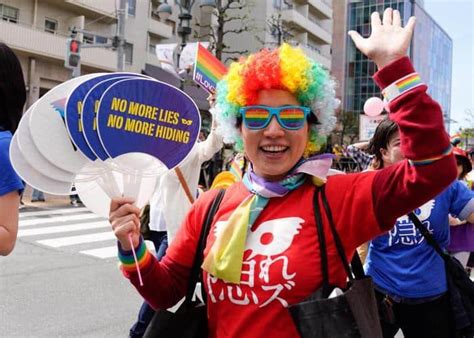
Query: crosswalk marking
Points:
[62, 228]
[38, 221]
[24, 214]
[72, 240]
[111, 251]
[107, 252]
[77, 230]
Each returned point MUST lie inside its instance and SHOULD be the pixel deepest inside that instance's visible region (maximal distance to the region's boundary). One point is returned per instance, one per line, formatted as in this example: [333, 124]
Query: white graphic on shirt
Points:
[271, 239]
[405, 232]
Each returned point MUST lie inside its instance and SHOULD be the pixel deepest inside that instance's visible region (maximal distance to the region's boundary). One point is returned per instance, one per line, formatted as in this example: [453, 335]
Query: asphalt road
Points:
[51, 290]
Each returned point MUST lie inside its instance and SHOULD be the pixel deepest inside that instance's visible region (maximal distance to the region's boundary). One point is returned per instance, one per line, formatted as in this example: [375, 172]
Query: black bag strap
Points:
[357, 271]
[357, 266]
[196, 271]
[356, 263]
[426, 234]
[322, 242]
[335, 235]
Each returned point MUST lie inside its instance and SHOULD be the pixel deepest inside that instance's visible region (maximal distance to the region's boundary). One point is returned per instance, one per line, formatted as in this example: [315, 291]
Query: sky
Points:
[456, 17]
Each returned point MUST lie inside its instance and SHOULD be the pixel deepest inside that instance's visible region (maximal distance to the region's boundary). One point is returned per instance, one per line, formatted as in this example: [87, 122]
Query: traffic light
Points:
[73, 53]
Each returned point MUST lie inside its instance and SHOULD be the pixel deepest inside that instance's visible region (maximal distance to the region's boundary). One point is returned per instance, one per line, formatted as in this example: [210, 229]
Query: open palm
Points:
[388, 41]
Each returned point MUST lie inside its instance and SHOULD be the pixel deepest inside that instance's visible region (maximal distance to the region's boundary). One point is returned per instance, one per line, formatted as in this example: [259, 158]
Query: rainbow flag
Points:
[208, 70]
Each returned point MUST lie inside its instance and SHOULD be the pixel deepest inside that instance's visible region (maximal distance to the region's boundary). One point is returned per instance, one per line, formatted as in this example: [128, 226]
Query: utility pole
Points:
[121, 15]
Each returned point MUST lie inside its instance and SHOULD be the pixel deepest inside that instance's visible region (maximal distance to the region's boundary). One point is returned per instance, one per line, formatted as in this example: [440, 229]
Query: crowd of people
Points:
[263, 253]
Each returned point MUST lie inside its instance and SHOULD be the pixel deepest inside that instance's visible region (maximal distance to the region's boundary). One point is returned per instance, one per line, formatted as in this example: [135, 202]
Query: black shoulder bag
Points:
[460, 286]
[190, 320]
[351, 314]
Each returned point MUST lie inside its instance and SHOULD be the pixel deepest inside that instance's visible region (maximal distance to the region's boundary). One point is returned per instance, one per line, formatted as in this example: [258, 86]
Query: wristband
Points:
[128, 261]
[401, 86]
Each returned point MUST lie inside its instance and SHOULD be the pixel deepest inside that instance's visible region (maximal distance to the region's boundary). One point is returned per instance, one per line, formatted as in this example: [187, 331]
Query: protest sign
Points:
[147, 116]
[367, 126]
[48, 127]
[34, 157]
[32, 176]
[75, 107]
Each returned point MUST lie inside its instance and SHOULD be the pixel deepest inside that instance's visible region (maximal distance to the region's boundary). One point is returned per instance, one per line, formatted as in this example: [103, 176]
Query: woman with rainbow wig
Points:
[285, 68]
[262, 254]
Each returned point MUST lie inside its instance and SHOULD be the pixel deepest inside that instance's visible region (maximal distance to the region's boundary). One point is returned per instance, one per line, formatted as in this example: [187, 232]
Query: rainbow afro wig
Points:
[286, 68]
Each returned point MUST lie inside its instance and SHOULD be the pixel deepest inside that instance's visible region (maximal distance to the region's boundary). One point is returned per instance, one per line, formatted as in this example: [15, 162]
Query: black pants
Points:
[427, 320]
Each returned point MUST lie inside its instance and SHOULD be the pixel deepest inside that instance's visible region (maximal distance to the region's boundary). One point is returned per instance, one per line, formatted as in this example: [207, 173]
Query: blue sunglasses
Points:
[289, 117]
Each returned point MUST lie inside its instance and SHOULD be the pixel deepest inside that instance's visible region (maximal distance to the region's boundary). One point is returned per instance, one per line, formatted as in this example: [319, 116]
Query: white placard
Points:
[48, 129]
[33, 177]
[367, 126]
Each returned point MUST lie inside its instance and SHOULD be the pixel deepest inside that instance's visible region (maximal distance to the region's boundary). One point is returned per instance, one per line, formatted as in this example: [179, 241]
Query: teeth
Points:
[274, 148]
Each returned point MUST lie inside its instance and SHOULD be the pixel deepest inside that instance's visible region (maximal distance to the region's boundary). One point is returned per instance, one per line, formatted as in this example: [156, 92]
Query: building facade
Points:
[306, 23]
[430, 51]
[37, 31]
[266, 23]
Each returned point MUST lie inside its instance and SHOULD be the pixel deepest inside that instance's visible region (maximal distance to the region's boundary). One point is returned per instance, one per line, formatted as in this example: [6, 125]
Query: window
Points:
[152, 48]
[87, 38]
[132, 4]
[100, 39]
[8, 13]
[128, 53]
[90, 39]
[50, 25]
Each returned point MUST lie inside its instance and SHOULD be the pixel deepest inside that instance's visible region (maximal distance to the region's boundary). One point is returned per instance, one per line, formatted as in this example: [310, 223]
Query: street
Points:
[63, 279]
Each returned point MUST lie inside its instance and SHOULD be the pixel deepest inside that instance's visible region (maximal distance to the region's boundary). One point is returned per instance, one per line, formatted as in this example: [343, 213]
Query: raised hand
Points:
[388, 40]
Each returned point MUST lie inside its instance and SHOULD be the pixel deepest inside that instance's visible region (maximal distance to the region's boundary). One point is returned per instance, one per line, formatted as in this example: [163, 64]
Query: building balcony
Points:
[53, 46]
[94, 8]
[300, 22]
[314, 54]
[323, 8]
[152, 59]
[160, 29]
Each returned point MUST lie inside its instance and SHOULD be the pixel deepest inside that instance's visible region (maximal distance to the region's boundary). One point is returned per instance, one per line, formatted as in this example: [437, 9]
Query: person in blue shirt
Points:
[12, 100]
[409, 276]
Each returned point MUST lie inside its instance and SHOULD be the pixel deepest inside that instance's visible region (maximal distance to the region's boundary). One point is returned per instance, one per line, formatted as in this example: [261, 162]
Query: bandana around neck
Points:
[225, 257]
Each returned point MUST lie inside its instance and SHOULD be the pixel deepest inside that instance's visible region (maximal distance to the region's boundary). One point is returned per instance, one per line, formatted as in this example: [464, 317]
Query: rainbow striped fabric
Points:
[144, 258]
[402, 86]
[237, 167]
[208, 70]
[427, 161]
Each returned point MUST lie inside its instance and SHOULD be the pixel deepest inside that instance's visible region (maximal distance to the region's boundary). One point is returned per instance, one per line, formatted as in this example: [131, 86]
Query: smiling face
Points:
[274, 150]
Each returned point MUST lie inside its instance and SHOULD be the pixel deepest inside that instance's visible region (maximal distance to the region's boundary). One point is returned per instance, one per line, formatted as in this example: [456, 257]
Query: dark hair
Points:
[466, 166]
[383, 133]
[12, 89]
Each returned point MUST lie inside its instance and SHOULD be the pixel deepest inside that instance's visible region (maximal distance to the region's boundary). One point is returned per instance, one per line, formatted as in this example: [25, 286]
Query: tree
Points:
[277, 29]
[230, 17]
[467, 133]
[467, 136]
[349, 127]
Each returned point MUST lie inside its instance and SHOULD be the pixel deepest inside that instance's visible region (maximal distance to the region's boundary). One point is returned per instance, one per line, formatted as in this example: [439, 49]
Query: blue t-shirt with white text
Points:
[402, 263]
